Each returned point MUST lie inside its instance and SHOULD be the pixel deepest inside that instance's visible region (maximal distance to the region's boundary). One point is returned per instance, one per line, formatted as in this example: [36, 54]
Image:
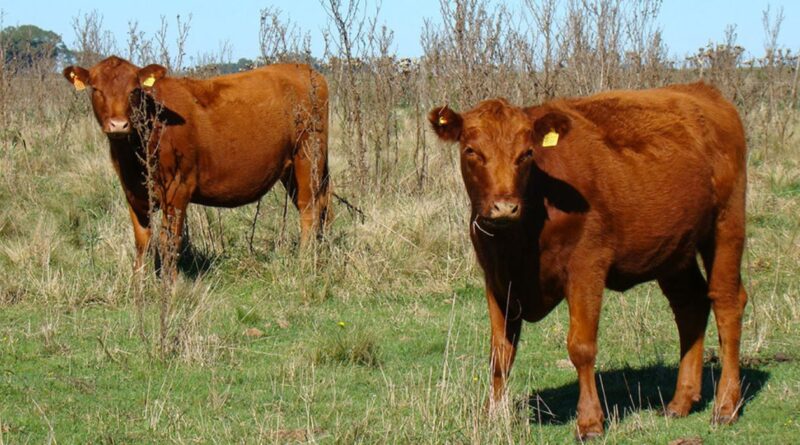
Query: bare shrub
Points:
[345, 42]
[718, 63]
[775, 124]
[475, 54]
[173, 63]
[4, 72]
[143, 50]
[93, 43]
[281, 40]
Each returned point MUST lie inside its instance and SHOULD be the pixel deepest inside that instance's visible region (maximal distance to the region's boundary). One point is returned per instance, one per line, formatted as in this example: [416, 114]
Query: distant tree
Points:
[242, 64]
[216, 69]
[245, 64]
[26, 44]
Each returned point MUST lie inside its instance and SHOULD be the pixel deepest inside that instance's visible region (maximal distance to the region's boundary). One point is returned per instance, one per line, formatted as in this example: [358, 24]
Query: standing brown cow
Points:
[609, 191]
[222, 142]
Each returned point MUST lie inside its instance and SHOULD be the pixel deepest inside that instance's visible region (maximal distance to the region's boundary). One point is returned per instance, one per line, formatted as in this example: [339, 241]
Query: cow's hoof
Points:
[587, 437]
[588, 431]
[666, 412]
[588, 427]
[722, 419]
[673, 413]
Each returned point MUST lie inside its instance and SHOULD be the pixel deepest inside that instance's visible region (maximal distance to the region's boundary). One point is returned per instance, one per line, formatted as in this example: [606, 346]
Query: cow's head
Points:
[497, 146]
[113, 82]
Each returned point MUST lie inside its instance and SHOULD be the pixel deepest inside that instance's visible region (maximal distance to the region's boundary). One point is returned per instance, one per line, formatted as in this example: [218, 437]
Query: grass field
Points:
[380, 336]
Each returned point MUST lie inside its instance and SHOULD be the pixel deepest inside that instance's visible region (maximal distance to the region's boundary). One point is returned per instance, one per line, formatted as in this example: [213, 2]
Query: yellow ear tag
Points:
[79, 86]
[550, 139]
[149, 81]
[442, 120]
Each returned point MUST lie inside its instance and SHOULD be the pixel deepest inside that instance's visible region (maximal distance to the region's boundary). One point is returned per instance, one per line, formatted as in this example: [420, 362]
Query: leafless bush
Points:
[381, 101]
[646, 60]
[476, 53]
[718, 63]
[4, 74]
[542, 26]
[344, 43]
[92, 42]
[179, 303]
[173, 63]
[779, 79]
[144, 50]
[280, 40]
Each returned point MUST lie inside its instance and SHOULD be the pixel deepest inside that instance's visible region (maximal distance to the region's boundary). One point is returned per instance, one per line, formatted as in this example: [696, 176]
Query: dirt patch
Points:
[710, 356]
[687, 441]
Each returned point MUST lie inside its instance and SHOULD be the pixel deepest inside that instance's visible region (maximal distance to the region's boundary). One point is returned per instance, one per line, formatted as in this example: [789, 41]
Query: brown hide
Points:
[223, 141]
[638, 184]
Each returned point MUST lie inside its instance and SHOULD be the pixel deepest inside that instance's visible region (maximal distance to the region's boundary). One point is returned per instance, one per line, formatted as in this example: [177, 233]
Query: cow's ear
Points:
[446, 123]
[150, 74]
[548, 129]
[77, 76]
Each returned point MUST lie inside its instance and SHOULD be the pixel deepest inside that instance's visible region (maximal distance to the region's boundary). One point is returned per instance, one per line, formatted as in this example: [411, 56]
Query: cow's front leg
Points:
[506, 324]
[176, 201]
[584, 296]
[141, 235]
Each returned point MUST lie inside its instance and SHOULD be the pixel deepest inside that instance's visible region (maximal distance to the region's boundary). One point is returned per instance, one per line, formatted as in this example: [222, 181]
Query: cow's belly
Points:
[239, 178]
[664, 248]
[240, 195]
[659, 220]
[241, 152]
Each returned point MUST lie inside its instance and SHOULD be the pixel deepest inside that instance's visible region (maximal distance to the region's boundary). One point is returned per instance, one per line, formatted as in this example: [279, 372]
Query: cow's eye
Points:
[473, 155]
[527, 154]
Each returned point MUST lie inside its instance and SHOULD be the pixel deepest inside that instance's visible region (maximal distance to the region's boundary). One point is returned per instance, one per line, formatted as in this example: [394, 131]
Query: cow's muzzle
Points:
[503, 212]
[117, 127]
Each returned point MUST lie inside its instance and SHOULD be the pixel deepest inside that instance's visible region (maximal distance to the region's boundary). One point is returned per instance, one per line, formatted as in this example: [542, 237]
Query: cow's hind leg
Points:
[310, 184]
[289, 181]
[728, 300]
[687, 292]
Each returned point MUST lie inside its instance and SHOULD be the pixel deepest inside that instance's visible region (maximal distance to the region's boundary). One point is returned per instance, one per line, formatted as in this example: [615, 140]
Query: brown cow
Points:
[222, 142]
[609, 191]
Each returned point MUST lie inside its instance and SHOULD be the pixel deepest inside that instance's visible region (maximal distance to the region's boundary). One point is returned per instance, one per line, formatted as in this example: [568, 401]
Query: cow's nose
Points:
[505, 210]
[118, 126]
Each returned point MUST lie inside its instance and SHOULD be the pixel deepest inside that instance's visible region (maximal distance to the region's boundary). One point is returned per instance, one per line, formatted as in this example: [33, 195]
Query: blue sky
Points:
[687, 25]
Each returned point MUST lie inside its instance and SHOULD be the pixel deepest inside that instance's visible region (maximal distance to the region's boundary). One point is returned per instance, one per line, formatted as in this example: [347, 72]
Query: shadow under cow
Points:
[628, 390]
[192, 261]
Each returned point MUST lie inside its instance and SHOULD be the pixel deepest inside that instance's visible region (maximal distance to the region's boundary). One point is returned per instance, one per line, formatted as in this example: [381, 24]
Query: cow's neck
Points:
[511, 261]
[126, 153]
[512, 257]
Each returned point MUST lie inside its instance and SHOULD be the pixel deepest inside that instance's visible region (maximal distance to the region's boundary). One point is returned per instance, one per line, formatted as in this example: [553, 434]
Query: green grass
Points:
[380, 336]
[83, 375]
